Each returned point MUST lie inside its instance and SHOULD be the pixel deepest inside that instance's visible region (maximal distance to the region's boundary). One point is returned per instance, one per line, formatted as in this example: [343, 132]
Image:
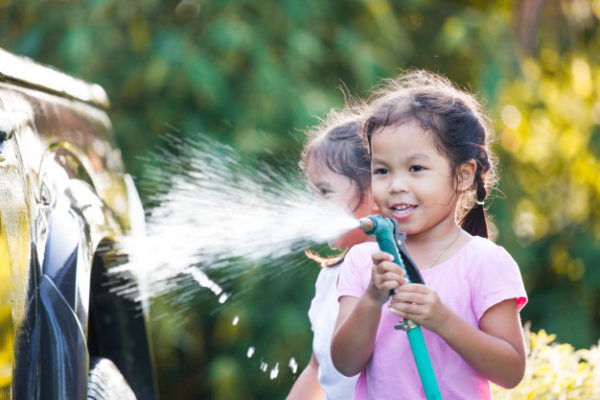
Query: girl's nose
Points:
[397, 184]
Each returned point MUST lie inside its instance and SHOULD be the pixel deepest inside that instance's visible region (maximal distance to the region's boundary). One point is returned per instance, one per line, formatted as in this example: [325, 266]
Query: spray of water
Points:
[210, 208]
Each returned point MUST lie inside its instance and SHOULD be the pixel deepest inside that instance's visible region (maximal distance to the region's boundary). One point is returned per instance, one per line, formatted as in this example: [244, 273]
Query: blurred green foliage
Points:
[255, 73]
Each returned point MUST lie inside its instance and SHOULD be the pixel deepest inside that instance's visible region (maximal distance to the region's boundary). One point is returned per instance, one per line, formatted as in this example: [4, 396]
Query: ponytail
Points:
[474, 220]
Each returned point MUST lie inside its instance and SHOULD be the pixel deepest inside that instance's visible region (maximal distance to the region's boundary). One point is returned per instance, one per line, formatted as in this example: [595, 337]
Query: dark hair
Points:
[337, 144]
[458, 126]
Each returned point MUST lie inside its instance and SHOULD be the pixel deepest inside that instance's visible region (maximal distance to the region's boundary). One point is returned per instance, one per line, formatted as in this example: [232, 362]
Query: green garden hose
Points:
[391, 241]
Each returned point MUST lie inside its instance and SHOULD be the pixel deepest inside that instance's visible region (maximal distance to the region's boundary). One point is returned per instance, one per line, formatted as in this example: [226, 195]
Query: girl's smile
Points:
[402, 211]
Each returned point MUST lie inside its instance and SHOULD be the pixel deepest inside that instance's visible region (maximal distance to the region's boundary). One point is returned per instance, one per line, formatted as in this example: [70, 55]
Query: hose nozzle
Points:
[367, 224]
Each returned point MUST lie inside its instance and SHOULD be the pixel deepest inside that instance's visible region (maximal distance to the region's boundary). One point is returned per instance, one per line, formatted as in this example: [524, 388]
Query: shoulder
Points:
[494, 276]
[356, 269]
[490, 263]
[484, 251]
[361, 253]
[367, 248]
[327, 275]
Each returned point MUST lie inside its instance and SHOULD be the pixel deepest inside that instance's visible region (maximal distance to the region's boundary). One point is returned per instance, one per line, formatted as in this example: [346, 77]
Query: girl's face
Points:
[411, 180]
[333, 189]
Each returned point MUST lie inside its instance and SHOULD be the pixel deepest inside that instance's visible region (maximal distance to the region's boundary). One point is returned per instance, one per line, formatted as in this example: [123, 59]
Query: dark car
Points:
[65, 201]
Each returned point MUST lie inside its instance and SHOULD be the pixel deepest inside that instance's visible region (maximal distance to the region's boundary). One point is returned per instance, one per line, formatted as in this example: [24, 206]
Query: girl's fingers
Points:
[388, 266]
[408, 308]
[380, 256]
[416, 288]
[386, 274]
[408, 297]
[420, 304]
[400, 313]
[415, 312]
[408, 311]
[393, 276]
[397, 312]
[390, 280]
[389, 285]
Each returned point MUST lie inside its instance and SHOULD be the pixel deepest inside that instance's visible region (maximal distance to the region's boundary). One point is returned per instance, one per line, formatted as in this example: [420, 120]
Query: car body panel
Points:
[14, 257]
[65, 202]
[64, 363]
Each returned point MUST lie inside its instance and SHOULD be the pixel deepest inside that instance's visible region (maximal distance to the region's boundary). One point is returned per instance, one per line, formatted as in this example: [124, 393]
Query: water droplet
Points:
[274, 371]
[223, 298]
[293, 365]
[264, 366]
[235, 321]
[250, 352]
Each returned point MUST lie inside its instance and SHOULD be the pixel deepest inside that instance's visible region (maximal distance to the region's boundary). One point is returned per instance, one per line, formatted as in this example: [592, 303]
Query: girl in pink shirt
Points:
[431, 171]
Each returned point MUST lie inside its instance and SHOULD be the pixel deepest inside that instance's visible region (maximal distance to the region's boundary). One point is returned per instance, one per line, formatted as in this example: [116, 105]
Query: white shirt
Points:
[322, 315]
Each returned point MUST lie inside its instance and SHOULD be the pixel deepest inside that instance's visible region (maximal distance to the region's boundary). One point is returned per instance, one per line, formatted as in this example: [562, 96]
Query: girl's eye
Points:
[324, 192]
[380, 171]
[416, 168]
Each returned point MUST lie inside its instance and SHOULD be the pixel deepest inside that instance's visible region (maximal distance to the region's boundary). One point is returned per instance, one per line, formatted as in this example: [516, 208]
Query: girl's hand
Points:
[420, 304]
[385, 276]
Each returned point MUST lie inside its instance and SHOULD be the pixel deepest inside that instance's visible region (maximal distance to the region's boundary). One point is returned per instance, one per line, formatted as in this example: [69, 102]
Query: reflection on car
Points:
[65, 200]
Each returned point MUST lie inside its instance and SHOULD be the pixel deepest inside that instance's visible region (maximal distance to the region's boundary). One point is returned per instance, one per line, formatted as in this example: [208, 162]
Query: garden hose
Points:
[391, 241]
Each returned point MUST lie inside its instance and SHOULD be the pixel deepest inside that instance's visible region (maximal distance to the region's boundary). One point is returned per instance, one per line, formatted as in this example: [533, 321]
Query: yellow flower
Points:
[555, 371]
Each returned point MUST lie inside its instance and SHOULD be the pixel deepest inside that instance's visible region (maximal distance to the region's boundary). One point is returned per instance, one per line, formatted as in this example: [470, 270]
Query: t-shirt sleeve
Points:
[495, 279]
[355, 271]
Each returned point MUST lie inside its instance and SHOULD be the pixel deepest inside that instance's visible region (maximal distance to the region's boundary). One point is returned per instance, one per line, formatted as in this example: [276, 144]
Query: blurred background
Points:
[255, 74]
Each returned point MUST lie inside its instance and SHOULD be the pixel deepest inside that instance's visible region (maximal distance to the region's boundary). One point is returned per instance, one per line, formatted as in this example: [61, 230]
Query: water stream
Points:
[210, 208]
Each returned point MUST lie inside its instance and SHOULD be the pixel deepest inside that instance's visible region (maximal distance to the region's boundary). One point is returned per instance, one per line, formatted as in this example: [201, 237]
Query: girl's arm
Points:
[307, 385]
[496, 350]
[354, 337]
[358, 318]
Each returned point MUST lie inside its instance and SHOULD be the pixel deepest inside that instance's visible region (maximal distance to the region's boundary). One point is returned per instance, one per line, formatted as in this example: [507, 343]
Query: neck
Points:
[440, 232]
[427, 245]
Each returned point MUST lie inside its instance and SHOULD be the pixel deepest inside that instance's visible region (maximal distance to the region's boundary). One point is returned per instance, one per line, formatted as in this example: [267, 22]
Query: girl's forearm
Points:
[495, 358]
[307, 385]
[354, 338]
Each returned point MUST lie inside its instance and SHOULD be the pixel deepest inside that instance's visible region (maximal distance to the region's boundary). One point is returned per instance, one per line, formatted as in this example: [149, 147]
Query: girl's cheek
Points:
[336, 243]
[350, 239]
[339, 242]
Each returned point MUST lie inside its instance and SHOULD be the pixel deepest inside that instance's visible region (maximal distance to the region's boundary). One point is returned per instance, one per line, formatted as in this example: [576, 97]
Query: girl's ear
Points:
[369, 203]
[466, 175]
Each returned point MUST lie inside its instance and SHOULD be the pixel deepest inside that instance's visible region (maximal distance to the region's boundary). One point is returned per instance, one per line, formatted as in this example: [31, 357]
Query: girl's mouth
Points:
[402, 211]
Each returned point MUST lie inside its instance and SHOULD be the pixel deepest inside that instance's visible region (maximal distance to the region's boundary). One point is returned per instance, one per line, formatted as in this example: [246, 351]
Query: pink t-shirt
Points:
[480, 275]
